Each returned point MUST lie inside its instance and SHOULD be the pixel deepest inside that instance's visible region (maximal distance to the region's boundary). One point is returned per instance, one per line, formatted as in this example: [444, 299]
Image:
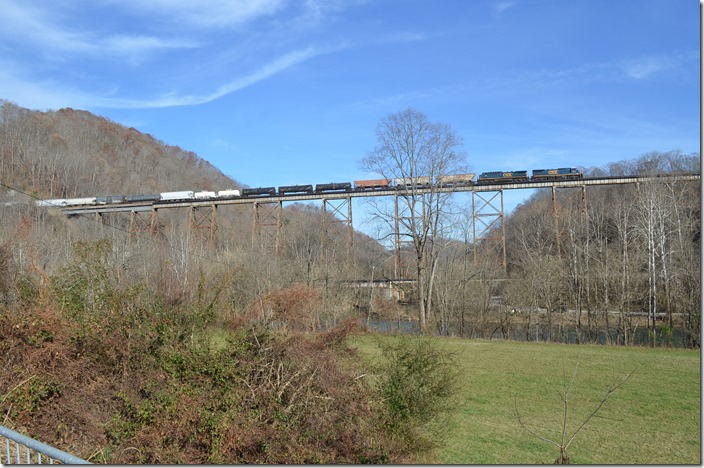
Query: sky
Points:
[283, 92]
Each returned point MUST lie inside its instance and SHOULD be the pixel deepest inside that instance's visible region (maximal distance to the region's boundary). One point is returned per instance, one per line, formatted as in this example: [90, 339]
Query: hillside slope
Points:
[71, 153]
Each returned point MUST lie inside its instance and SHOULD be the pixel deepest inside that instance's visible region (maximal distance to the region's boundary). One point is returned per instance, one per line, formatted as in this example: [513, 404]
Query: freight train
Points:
[404, 183]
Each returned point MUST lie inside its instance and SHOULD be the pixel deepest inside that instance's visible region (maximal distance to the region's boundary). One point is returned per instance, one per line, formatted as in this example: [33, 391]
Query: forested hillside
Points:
[73, 153]
[615, 264]
[616, 254]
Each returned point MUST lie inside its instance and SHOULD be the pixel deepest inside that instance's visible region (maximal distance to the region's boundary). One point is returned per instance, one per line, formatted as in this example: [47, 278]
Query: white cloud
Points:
[500, 7]
[42, 29]
[645, 67]
[22, 22]
[49, 94]
[203, 13]
[137, 47]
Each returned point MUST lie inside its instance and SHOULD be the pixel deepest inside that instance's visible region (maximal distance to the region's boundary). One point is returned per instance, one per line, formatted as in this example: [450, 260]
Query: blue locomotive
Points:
[502, 177]
[556, 174]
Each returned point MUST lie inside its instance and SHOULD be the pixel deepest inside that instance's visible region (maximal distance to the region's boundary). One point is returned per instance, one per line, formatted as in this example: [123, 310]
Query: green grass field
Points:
[654, 418]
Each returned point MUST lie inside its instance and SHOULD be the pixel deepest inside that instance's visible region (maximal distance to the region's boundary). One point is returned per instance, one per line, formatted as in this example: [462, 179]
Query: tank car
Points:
[295, 189]
[259, 191]
[142, 198]
[333, 187]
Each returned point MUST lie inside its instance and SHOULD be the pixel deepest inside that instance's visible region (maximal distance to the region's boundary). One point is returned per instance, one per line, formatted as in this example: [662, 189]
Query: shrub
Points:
[418, 384]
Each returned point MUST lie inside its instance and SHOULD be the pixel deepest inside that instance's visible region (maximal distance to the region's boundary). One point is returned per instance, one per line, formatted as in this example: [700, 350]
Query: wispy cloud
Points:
[137, 47]
[203, 13]
[500, 7]
[173, 99]
[645, 67]
[23, 22]
[38, 28]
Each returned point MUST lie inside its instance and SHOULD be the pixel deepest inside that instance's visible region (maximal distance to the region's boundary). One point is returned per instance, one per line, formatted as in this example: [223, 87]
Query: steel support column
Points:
[556, 222]
[266, 224]
[203, 220]
[491, 233]
[341, 211]
[142, 222]
[155, 227]
[397, 240]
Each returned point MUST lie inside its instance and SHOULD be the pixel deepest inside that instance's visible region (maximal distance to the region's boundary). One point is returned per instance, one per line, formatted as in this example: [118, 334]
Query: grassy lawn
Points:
[654, 418]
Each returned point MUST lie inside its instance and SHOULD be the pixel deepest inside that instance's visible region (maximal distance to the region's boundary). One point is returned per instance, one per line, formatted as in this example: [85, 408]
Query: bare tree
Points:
[566, 438]
[413, 150]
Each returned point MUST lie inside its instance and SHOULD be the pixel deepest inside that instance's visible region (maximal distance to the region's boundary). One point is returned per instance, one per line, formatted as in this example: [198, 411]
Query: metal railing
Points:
[31, 452]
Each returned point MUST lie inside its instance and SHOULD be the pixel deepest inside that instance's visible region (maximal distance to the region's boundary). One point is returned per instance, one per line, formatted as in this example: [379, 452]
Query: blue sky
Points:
[279, 92]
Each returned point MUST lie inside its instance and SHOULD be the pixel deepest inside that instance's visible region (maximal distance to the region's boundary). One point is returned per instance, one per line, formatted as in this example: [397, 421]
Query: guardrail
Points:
[27, 451]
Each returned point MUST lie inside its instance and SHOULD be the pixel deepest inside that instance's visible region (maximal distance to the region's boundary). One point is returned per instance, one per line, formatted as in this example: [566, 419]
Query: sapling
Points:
[566, 438]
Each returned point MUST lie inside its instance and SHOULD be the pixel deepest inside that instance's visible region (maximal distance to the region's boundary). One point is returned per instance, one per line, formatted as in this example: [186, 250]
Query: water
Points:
[639, 336]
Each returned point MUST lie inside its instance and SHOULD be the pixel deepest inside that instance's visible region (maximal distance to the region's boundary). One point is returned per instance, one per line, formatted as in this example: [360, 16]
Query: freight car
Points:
[456, 180]
[259, 191]
[499, 177]
[333, 187]
[372, 184]
[182, 195]
[110, 199]
[204, 194]
[402, 183]
[561, 173]
[229, 193]
[295, 189]
[142, 198]
[80, 201]
[55, 202]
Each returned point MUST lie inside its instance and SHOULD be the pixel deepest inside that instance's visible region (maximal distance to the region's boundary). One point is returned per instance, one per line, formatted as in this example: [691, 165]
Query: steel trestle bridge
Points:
[487, 208]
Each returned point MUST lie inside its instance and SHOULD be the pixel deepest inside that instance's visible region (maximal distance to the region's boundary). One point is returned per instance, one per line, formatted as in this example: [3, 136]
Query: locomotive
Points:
[499, 177]
[401, 183]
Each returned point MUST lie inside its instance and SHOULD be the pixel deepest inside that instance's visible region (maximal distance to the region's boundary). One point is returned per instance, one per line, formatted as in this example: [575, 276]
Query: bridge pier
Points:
[139, 223]
[266, 224]
[489, 214]
[341, 211]
[203, 220]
